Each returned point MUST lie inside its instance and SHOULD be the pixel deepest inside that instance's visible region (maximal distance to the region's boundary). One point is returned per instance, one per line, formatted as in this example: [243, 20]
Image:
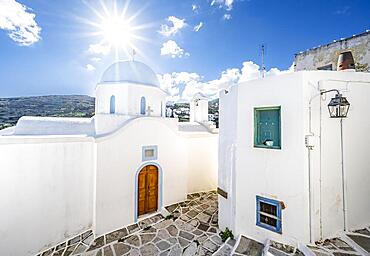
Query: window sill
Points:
[271, 228]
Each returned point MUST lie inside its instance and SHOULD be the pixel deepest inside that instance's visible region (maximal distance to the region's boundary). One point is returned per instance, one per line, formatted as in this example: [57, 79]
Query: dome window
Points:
[112, 108]
[142, 106]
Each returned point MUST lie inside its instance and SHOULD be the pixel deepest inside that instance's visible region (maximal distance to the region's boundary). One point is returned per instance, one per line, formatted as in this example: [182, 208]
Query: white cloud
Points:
[195, 8]
[227, 16]
[99, 49]
[171, 48]
[183, 85]
[95, 59]
[227, 4]
[20, 23]
[90, 67]
[173, 28]
[197, 27]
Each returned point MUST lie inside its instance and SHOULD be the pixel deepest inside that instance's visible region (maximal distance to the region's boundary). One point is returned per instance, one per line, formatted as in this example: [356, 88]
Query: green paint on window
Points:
[267, 128]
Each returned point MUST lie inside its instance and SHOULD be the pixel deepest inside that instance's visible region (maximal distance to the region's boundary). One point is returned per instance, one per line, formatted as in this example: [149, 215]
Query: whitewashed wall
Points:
[46, 192]
[120, 158]
[277, 174]
[283, 174]
[329, 193]
[199, 110]
[273, 173]
[226, 164]
[128, 98]
[202, 162]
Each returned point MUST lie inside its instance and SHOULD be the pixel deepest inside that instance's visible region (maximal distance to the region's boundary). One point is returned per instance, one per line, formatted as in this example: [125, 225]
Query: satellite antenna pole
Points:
[263, 60]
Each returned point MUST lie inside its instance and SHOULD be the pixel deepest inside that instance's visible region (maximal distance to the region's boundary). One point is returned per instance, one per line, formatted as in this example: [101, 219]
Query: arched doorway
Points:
[147, 190]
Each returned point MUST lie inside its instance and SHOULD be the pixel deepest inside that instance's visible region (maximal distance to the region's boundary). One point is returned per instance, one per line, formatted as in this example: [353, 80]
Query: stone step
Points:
[280, 249]
[247, 246]
[226, 248]
[347, 244]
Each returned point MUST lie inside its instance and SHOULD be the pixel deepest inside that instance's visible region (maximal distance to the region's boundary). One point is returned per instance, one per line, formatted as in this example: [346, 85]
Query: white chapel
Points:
[104, 172]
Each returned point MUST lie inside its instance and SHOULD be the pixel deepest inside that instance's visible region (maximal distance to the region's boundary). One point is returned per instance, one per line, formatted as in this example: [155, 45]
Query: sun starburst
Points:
[115, 30]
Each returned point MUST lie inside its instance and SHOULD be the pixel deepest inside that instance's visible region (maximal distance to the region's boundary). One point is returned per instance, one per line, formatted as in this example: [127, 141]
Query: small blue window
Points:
[267, 131]
[149, 153]
[269, 214]
[142, 106]
[112, 108]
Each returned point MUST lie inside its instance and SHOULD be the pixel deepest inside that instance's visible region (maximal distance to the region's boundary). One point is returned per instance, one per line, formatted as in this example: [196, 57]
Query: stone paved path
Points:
[191, 228]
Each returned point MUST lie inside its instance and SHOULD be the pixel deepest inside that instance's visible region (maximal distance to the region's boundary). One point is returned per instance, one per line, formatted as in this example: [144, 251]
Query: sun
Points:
[115, 30]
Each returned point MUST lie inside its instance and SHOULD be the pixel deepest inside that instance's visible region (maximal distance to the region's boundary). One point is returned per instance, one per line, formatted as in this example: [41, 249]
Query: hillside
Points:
[11, 109]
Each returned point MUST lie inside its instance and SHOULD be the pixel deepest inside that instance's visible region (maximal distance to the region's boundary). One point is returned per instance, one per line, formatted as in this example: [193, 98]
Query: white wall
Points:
[127, 98]
[226, 149]
[329, 219]
[199, 110]
[283, 174]
[273, 173]
[202, 163]
[120, 158]
[46, 192]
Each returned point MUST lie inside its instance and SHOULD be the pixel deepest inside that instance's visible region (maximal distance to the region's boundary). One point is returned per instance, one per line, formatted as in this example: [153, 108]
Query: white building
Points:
[287, 171]
[61, 176]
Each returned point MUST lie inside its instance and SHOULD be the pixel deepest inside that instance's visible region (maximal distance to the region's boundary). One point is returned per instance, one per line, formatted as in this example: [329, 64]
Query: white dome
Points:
[130, 71]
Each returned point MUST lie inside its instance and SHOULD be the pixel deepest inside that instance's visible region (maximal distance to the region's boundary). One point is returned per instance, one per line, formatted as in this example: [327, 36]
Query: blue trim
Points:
[155, 155]
[160, 186]
[278, 227]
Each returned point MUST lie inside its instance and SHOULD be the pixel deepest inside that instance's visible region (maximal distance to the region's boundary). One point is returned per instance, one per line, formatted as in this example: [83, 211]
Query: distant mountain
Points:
[11, 109]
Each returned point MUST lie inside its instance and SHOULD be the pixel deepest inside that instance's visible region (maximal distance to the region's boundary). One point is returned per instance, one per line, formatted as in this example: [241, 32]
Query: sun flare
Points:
[115, 29]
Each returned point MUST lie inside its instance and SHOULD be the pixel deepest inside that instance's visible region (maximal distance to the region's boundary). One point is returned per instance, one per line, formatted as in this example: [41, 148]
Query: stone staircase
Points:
[353, 243]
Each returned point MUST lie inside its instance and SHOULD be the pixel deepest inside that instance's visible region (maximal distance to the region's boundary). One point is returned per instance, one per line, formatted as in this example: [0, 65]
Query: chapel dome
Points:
[130, 71]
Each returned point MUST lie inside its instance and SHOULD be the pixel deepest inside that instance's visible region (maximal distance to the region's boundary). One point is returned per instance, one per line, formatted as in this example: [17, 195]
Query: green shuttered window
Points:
[267, 129]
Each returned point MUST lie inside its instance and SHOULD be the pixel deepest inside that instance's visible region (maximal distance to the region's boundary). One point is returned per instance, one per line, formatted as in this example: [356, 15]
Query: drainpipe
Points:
[309, 148]
[344, 179]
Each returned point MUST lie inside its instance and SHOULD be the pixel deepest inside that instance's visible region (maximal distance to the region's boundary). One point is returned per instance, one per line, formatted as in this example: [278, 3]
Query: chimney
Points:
[345, 61]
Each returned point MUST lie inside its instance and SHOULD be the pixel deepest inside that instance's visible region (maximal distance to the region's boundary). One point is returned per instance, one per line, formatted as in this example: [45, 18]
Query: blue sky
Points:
[55, 58]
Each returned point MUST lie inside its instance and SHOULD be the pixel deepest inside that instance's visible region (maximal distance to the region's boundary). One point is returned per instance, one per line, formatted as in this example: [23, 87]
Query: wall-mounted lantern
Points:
[338, 106]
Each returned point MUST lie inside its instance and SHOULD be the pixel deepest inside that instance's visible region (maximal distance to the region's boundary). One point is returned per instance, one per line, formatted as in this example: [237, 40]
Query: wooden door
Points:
[148, 190]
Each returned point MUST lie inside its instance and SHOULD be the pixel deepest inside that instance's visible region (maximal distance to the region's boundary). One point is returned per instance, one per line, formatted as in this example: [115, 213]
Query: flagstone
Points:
[121, 249]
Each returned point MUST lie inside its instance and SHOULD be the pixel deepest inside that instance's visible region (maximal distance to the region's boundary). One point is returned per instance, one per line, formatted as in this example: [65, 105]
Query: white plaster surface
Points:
[283, 174]
[61, 176]
[47, 192]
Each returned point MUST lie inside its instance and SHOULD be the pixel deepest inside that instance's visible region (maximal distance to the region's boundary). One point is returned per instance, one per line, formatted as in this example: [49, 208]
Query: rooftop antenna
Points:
[263, 67]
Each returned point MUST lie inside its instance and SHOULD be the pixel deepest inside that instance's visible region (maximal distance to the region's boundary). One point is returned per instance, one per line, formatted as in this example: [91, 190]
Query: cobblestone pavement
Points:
[191, 228]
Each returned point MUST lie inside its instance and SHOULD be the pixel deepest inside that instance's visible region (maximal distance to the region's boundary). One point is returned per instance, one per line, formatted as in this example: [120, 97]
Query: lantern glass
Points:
[338, 106]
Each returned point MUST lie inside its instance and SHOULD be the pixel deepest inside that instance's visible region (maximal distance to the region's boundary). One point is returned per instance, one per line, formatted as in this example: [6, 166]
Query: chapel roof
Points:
[131, 71]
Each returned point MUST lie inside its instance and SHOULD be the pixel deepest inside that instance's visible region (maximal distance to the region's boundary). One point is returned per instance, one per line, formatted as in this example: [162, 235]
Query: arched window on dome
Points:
[142, 106]
[112, 108]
